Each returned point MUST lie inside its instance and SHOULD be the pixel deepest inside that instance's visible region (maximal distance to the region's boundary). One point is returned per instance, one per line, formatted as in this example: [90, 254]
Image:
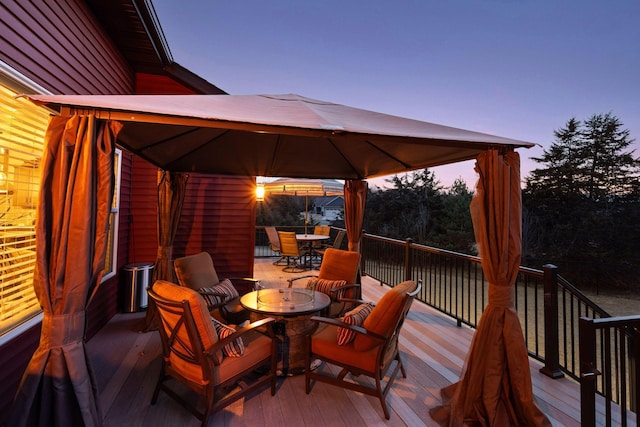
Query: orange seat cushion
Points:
[325, 345]
[257, 347]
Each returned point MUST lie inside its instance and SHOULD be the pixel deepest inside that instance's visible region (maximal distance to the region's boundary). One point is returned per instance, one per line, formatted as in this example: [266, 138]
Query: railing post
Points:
[633, 368]
[408, 264]
[588, 373]
[551, 366]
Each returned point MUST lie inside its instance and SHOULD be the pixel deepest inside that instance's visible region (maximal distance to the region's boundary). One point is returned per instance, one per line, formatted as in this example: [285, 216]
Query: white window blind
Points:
[22, 129]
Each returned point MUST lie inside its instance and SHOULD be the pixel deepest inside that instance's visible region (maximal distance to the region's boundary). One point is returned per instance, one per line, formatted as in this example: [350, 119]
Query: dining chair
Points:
[337, 243]
[289, 248]
[274, 245]
[363, 344]
[321, 230]
[198, 272]
[219, 363]
[336, 278]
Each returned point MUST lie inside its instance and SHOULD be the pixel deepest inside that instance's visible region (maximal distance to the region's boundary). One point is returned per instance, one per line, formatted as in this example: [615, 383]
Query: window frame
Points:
[114, 219]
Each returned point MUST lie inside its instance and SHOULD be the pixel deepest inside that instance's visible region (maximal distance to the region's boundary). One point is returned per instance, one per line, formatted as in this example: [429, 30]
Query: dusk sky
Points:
[514, 68]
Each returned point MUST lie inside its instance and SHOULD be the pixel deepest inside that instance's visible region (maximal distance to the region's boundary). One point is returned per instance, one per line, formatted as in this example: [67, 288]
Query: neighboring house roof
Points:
[134, 28]
[329, 201]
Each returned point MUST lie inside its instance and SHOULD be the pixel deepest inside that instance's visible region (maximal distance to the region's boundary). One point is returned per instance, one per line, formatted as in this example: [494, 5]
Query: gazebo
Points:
[257, 135]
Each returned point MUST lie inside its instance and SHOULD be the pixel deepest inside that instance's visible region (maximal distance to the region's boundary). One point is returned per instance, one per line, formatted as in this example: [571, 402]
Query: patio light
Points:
[259, 192]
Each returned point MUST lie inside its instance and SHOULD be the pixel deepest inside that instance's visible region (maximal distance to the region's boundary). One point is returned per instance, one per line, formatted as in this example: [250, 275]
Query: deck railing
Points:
[549, 307]
[617, 375]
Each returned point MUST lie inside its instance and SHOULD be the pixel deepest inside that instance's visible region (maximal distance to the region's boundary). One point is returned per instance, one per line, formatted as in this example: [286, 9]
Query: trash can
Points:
[136, 278]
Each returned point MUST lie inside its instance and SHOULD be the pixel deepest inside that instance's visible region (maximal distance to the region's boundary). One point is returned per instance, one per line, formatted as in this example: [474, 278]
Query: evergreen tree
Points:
[608, 170]
[280, 210]
[406, 210]
[579, 203]
[558, 179]
[455, 220]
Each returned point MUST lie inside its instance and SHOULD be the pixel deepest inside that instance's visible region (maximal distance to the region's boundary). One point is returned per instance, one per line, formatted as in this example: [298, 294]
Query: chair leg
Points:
[293, 266]
[383, 399]
[209, 398]
[307, 364]
[281, 261]
[404, 373]
[273, 366]
[156, 392]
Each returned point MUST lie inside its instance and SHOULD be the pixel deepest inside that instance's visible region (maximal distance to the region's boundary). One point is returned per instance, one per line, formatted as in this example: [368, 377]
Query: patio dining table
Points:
[307, 240]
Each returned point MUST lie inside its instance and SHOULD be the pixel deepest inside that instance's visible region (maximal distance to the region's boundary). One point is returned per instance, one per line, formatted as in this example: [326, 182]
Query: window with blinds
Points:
[22, 129]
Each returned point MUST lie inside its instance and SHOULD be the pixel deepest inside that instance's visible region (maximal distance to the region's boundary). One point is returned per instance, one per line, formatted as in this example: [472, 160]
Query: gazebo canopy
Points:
[276, 135]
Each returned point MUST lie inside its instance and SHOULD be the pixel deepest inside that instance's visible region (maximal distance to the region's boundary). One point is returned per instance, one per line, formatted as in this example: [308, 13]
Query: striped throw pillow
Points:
[236, 347]
[225, 288]
[353, 317]
[325, 286]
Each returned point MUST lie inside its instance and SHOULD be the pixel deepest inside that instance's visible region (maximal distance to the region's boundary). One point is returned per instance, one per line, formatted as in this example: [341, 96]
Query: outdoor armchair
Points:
[363, 343]
[222, 296]
[336, 278]
[219, 366]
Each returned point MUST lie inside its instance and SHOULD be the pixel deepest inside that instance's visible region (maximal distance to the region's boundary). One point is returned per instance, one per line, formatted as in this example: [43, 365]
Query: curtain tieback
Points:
[502, 296]
[62, 329]
[165, 252]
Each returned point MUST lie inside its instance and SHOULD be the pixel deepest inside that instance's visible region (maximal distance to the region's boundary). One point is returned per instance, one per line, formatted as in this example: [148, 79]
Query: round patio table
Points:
[308, 240]
[292, 309]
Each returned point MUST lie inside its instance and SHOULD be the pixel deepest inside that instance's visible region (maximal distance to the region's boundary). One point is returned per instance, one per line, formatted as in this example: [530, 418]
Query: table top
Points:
[285, 301]
[311, 237]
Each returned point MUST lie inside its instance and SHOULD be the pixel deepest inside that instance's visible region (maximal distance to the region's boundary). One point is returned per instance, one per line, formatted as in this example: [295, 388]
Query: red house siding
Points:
[218, 217]
[60, 46]
[149, 84]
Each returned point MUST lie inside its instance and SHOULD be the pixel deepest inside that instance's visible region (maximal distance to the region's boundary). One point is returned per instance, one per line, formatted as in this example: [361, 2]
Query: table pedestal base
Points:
[291, 334]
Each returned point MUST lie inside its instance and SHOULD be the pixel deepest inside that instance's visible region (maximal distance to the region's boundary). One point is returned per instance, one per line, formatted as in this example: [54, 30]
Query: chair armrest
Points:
[244, 284]
[293, 279]
[344, 288]
[244, 279]
[354, 300]
[358, 329]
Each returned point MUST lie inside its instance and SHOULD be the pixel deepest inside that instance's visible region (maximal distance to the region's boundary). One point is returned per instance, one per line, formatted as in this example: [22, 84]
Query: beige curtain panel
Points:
[58, 387]
[355, 197]
[495, 387]
[172, 187]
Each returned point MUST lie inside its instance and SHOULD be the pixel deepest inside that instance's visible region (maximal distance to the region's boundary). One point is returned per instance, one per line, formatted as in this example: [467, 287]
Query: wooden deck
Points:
[127, 362]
